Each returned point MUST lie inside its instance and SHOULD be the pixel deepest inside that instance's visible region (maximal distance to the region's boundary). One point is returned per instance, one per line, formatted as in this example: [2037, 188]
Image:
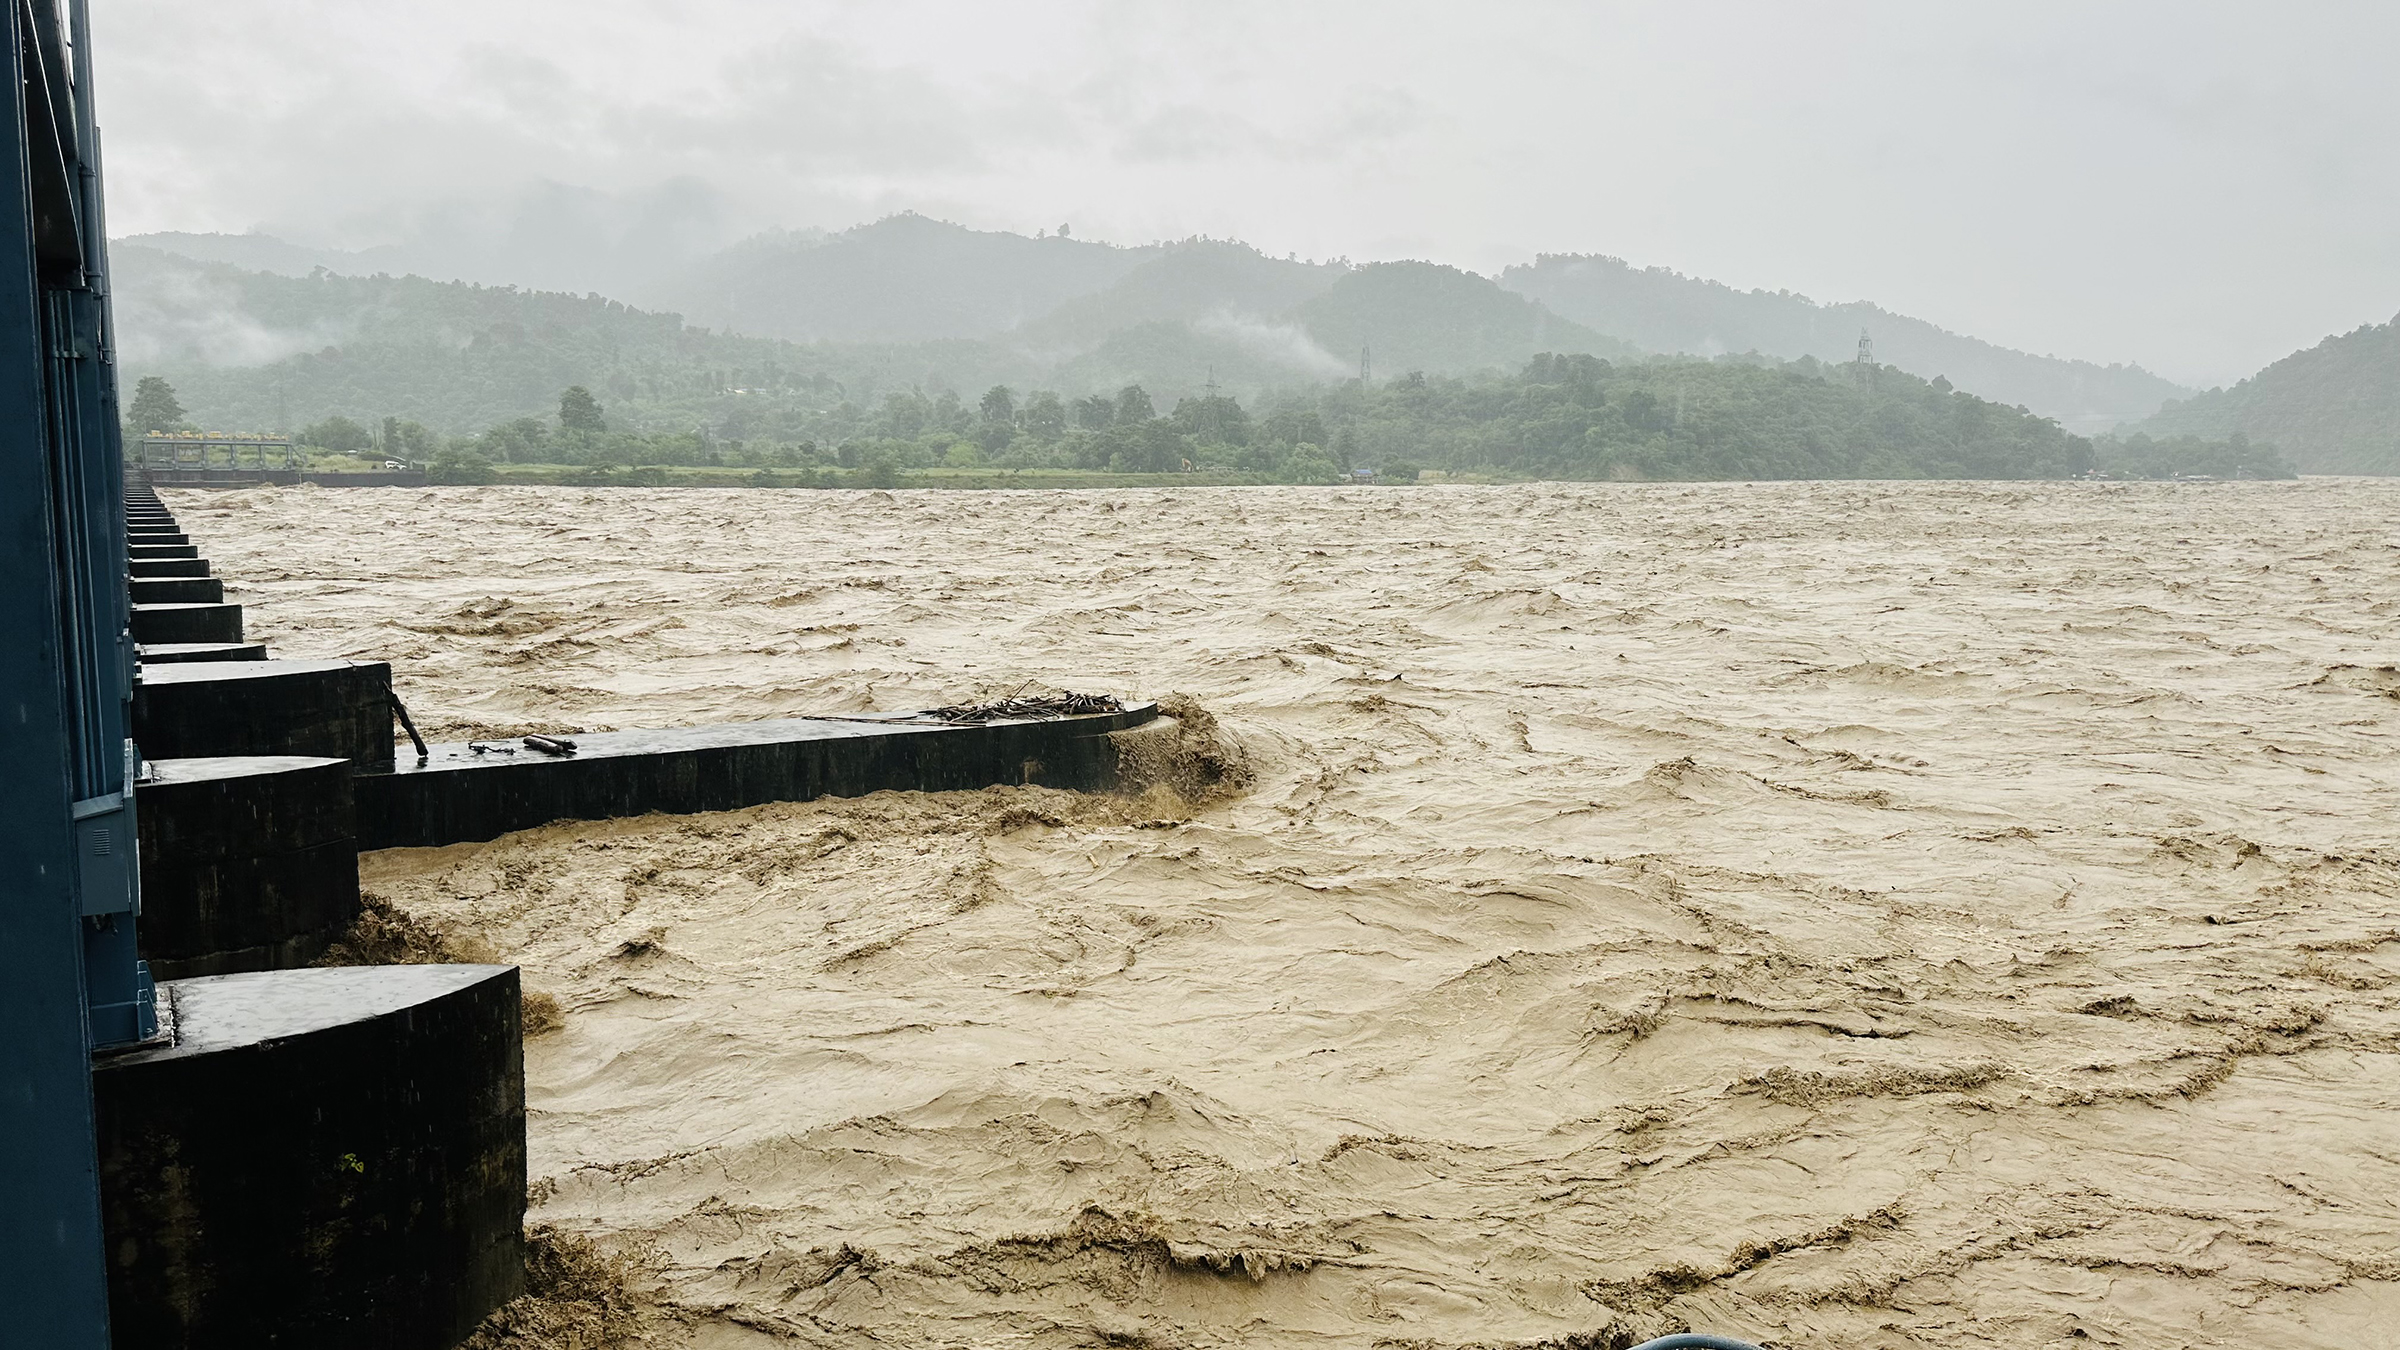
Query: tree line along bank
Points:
[1563, 417]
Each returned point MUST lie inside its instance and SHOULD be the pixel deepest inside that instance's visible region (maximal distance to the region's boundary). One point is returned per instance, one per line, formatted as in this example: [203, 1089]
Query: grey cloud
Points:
[809, 107]
[179, 315]
[2199, 186]
[1188, 132]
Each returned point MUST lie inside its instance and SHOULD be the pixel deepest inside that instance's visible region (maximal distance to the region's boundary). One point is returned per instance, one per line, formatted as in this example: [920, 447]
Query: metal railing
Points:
[202, 450]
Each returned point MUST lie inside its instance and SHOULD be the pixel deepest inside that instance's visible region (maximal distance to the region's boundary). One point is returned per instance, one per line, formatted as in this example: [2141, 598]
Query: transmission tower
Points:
[1864, 366]
[1366, 362]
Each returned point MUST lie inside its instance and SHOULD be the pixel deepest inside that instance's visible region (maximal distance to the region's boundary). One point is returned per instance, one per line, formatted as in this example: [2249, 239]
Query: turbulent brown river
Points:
[1837, 915]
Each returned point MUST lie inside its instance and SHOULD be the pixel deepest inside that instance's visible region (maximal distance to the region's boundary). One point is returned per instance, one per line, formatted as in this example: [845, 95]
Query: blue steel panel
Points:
[68, 974]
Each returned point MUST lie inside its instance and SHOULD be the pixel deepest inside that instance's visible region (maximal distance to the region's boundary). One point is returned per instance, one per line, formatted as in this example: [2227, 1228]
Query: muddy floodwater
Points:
[1839, 915]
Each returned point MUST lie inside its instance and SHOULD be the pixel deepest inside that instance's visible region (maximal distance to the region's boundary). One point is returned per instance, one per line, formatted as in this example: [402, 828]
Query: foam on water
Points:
[1839, 914]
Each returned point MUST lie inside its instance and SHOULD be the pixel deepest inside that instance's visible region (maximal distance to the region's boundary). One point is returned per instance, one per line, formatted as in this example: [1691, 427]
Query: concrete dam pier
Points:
[300, 1156]
[317, 1158]
[282, 1103]
[480, 790]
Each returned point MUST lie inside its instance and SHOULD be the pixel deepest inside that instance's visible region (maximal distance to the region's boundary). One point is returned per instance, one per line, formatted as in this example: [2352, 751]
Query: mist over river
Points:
[1835, 914]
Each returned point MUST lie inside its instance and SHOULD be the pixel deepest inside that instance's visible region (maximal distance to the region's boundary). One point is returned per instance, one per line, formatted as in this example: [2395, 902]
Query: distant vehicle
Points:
[395, 464]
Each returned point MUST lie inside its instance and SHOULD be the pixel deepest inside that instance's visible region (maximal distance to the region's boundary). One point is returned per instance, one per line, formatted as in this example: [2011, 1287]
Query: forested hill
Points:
[1560, 417]
[1463, 373]
[905, 278]
[2333, 408]
[1576, 417]
[1660, 310]
[1422, 316]
[1209, 282]
[941, 300]
[463, 360]
[257, 350]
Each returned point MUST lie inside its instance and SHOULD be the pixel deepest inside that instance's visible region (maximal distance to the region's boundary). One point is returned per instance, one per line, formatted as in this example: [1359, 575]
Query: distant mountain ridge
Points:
[265, 253]
[906, 301]
[1195, 281]
[1662, 310]
[2332, 408]
[909, 299]
[256, 350]
[455, 356]
[1404, 316]
[905, 278]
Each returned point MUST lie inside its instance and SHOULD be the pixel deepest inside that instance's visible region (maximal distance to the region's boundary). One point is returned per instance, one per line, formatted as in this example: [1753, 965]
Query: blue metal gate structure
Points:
[70, 982]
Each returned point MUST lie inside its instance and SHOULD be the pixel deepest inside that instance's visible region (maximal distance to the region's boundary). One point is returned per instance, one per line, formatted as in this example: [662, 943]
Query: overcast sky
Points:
[2199, 187]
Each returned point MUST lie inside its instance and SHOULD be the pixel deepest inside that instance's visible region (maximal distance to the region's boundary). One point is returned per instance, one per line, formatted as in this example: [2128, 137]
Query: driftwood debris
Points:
[1037, 707]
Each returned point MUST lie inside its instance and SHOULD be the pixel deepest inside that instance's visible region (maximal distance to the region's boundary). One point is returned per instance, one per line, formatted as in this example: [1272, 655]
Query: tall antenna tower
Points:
[1864, 367]
[1366, 362]
[1209, 413]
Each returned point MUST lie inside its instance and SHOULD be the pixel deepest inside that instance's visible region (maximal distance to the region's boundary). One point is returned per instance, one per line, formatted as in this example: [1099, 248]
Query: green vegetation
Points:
[909, 303]
[2334, 408]
[1064, 313]
[452, 358]
[902, 279]
[1562, 417]
[154, 408]
[1579, 417]
[339, 435]
[1194, 282]
[1421, 316]
[1664, 311]
[1135, 374]
[1571, 417]
[578, 411]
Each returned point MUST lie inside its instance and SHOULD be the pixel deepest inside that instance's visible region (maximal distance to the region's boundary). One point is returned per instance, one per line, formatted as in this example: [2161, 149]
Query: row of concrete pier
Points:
[304, 1155]
[336, 1156]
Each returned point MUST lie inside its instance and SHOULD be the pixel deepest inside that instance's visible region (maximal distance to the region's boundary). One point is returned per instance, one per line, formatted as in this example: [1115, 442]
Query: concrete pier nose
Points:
[187, 623]
[337, 708]
[168, 567]
[176, 590]
[325, 1157]
[248, 863]
[169, 653]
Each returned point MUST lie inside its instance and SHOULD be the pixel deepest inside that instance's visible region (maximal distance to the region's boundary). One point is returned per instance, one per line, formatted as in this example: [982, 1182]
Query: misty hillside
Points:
[1578, 418]
[1659, 310]
[258, 349]
[250, 350]
[541, 236]
[253, 350]
[2333, 408]
[1215, 284]
[1076, 306]
[905, 278]
[259, 334]
[1423, 316]
[262, 253]
[1174, 359]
